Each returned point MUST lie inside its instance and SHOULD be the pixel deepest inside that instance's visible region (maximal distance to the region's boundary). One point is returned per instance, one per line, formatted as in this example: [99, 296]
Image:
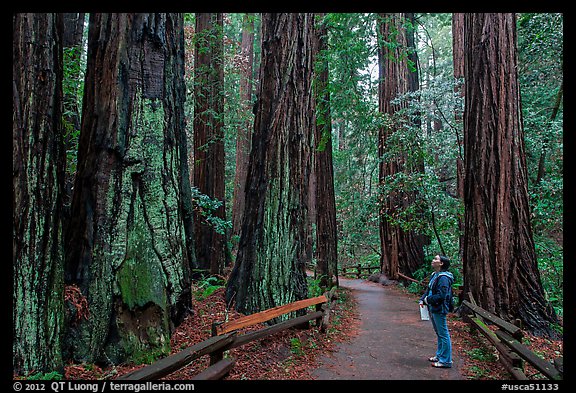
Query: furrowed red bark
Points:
[500, 265]
[270, 266]
[325, 214]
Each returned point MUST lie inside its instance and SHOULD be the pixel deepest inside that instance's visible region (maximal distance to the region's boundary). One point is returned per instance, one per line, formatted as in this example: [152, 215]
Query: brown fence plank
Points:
[411, 279]
[178, 360]
[541, 365]
[514, 330]
[267, 315]
[216, 371]
[510, 357]
[252, 336]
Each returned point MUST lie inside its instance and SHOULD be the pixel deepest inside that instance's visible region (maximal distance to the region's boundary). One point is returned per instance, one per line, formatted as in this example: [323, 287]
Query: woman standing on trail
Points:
[438, 298]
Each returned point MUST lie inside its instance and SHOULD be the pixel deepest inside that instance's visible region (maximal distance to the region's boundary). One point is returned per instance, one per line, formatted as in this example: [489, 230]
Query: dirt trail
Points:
[392, 342]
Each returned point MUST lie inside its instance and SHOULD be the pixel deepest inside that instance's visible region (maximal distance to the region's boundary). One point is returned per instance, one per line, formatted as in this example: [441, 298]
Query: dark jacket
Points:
[439, 293]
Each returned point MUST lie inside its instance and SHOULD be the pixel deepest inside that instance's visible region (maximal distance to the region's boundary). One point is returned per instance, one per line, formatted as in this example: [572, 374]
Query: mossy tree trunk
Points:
[270, 266]
[500, 265]
[37, 186]
[401, 250]
[209, 175]
[130, 245]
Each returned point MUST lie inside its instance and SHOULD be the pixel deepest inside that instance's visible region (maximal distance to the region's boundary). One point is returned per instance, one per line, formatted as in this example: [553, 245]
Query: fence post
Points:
[218, 355]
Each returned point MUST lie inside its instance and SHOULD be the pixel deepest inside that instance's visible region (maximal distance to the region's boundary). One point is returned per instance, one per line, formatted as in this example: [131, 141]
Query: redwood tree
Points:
[401, 250]
[244, 135]
[211, 244]
[325, 203]
[458, 60]
[37, 186]
[270, 266]
[500, 265]
[130, 235]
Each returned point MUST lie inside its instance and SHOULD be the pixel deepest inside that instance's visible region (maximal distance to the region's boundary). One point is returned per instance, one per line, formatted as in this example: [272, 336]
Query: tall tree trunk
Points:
[325, 203]
[211, 244]
[244, 130]
[458, 56]
[419, 240]
[500, 266]
[402, 251]
[37, 186]
[270, 266]
[131, 235]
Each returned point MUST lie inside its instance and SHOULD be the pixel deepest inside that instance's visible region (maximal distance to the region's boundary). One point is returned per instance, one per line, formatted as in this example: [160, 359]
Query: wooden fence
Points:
[358, 270]
[225, 337]
[507, 340]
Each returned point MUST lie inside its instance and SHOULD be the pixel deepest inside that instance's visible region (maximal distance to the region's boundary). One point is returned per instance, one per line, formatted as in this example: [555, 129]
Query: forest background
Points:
[352, 56]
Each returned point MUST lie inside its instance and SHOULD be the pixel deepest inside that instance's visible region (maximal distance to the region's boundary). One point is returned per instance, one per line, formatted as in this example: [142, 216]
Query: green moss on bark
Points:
[134, 267]
[38, 175]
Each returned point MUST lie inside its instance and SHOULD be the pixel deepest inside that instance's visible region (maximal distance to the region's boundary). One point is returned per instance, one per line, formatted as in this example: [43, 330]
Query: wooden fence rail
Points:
[358, 270]
[267, 315]
[174, 362]
[226, 337]
[507, 341]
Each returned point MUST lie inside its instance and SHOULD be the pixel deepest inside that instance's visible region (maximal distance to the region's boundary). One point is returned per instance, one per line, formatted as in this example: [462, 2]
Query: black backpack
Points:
[451, 302]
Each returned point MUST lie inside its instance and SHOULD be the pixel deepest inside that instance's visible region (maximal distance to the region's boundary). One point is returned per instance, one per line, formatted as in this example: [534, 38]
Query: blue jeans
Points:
[444, 350]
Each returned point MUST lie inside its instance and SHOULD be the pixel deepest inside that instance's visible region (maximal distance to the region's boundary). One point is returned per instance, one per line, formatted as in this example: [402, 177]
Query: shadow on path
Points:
[392, 341]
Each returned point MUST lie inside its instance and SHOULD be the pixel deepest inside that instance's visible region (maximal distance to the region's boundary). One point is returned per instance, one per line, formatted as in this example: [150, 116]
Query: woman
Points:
[438, 297]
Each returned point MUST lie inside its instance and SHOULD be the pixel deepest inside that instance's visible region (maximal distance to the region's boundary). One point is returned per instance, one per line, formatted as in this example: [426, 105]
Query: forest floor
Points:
[294, 354]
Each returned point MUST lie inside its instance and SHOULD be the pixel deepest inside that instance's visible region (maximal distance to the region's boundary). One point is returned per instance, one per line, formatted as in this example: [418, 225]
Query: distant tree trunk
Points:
[131, 234]
[270, 266]
[458, 56]
[37, 186]
[244, 130]
[413, 67]
[402, 251]
[326, 231]
[500, 266]
[419, 240]
[211, 246]
[555, 109]
[72, 43]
